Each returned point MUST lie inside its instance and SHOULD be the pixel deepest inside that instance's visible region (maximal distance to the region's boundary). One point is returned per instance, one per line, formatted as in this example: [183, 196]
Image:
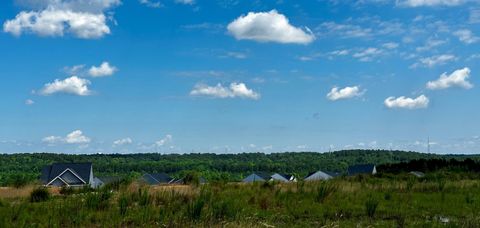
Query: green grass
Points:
[363, 202]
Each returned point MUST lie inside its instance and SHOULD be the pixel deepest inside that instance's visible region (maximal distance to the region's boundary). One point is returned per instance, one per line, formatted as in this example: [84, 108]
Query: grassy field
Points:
[345, 202]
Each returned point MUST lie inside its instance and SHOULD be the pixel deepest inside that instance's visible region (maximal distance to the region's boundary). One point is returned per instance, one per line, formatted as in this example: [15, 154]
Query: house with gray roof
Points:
[320, 175]
[157, 178]
[68, 175]
[257, 177]
[283, 177]
[366, 169]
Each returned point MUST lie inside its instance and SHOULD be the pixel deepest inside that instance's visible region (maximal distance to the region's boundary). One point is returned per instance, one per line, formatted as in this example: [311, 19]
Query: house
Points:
[201, 180]
[68, 175]
[283, 177]
[157, 178]
[368, 169]
[257, 177]
[417, 174]
[320, 175]
[101, 181]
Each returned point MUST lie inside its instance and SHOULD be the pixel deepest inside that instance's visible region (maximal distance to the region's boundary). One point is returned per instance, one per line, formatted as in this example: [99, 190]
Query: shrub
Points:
[123, 204]
[371, 206]
[324, 190]
[39, 195]
[98, 200]
[195, 208]
[192, 178]
[18, 180]
[387, 196]
[66, 191]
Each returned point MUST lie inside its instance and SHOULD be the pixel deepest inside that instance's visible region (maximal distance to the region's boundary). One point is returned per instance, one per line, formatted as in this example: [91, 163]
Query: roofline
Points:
[58, 176]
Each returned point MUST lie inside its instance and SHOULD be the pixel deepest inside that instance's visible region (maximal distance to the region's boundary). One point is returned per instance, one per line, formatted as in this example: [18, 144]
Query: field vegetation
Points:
[400, 200]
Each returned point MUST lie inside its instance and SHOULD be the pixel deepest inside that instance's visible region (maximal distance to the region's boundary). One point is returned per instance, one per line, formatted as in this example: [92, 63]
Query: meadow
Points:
[402, 200]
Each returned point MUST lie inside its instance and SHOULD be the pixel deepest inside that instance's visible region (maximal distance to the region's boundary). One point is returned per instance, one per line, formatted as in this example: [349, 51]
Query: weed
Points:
[39, 195]
[371, 206]
[324, 190]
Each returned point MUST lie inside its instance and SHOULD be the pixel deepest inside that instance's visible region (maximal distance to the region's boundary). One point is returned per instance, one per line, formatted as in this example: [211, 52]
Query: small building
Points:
[68, 175]
[283, 177]
[257, 177]
[102, 181]
[157, 178]
[181, 181]
[367, 169]
[417, 174]
[320, 175]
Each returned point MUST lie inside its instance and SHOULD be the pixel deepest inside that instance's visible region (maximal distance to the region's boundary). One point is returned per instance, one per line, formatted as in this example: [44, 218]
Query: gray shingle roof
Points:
[157, 178]
[81, 169]
[360, 169]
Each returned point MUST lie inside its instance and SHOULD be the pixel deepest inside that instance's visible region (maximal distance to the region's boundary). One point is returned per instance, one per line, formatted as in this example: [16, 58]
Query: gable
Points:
[70, 178]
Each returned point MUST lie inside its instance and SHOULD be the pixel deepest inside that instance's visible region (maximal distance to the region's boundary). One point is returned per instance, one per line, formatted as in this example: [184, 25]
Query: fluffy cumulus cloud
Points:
[165, 140]
[121, 142]
[345, 93]
[418, 3]
[219, 91]
[268, 27]
[75, 137]
[466, 36]
[72, 85]
[105, 69]
[407, 103]
[458, 78]
[81, 18]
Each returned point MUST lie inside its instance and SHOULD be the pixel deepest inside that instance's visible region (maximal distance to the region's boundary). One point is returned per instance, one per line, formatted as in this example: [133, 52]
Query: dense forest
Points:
[18, 168]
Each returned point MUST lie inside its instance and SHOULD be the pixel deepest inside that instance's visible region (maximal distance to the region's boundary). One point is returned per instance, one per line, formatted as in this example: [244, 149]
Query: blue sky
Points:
[229, 76]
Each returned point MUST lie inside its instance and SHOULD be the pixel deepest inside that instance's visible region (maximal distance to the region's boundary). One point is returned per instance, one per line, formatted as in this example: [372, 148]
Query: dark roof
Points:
[81, 169]
[157, 178]
[286, 176]
[264, 175]
[332, 174]
[361, 169]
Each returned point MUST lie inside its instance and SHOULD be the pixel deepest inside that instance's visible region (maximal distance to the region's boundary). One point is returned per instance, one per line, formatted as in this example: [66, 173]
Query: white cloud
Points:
[418, 3]
[345, 30]
[368, 54]
[72, 85]
[458, 78]
[151, 4]
[52, 139]
[185, 2]
[165, 140]
[122, 142]
[75, 137]
[268, 27]
[345, 93]
[237, 55]
[390, 45]
[430, 43]
[105, 69]
[81, 18]
[29, 102]
[53, 22]
[94, 6]
[219, 91]
[434, 60]
[466, 36]
[407, 103]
